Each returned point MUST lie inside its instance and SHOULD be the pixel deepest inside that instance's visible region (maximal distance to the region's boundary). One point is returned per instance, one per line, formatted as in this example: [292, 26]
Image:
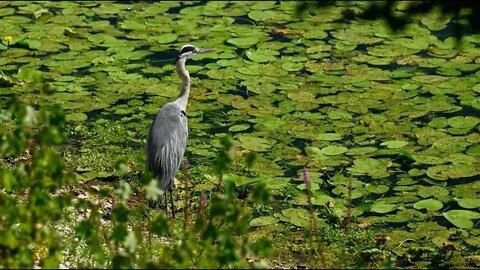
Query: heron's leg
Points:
[166, 203]
[173, 206]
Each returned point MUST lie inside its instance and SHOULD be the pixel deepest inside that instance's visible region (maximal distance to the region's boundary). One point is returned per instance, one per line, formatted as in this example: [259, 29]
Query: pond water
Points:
[394, 114]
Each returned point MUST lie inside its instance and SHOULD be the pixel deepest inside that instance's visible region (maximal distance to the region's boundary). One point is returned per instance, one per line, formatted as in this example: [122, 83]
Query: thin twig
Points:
[187, 195]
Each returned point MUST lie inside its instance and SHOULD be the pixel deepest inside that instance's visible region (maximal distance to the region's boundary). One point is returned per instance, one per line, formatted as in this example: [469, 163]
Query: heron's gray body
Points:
[166, 144]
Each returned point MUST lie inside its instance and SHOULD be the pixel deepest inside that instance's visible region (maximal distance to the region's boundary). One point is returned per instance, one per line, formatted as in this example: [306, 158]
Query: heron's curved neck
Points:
[182, 99]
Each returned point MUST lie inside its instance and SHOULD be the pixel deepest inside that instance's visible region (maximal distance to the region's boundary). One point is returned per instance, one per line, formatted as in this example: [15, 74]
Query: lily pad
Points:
[292, 66]
[463, 122]
[261, 56]
[469, 203]
[329, 136]
[252, 143]
[445, 172]
[166, 38]
[333, 150]
[369, 166]
[238, 128]
[263, 221]
[440, 193]
[429, 204]
[461, 218]
[76, 117]
[383, 208]
[299, 217]
[411, 86]
[244, 42]
[314, 186]
[378, 189]
[394, 144]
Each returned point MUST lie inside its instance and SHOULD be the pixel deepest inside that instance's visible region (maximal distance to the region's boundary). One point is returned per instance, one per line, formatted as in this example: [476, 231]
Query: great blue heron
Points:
[168, 134]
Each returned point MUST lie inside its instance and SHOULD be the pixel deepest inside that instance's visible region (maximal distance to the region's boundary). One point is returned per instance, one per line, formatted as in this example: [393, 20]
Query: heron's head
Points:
[188, 51]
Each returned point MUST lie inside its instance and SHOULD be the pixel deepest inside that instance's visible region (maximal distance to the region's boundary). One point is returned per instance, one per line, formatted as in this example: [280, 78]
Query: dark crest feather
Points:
[185, 49]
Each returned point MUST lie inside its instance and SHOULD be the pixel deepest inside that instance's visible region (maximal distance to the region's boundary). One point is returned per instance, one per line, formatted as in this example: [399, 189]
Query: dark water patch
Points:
[160, 58]
[218, 130]
[468, 73]
[280, 37]
[362, 47]
[240, 52]
[241, 90]
[291, 171]
[449, 30]
[113, 20]
[245, 20]
[389, 67]
[377, 111]
[184, 4]
[44, 68]
[300, 144]
[429, 71]
[101, 113]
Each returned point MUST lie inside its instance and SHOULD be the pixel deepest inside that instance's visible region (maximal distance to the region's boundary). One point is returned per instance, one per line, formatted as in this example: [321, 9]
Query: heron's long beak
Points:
[203, 50]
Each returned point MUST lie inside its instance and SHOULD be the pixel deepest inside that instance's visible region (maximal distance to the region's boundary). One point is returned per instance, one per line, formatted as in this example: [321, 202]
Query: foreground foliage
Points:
[34, 201]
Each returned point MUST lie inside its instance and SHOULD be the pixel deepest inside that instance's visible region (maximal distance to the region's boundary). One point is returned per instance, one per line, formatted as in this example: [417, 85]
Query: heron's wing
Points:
[166, 144]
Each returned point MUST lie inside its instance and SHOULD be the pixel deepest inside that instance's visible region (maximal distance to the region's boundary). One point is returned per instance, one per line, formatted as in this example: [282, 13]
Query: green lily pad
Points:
[333, 150]
[369, 166]
[33, 44]
[261, 56]
[438, 122]
[314, 186]
[461, 218]
[473, 151]
[300, 221]
[272, 16]
[474, 241]
[254, 143]
[440, 193]
[166, 38]
[299, 217]
[445, 172]
[429, 204]
[378, 189]
[411, 86]
[303, 96]
[244, 42]
[416, 172]
[361, 150]
[468, 203]
[238, 128]
[383, 208]
[394, 144]
[463, 122]
[336, 115]
[329, 136]
[292, 66]
[434, 21]
[263, 221]
[76, 117]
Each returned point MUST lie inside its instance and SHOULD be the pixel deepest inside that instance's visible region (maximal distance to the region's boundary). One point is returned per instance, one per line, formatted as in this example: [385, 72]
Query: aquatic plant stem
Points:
[349, 208]
[313, 219]
[187, 195]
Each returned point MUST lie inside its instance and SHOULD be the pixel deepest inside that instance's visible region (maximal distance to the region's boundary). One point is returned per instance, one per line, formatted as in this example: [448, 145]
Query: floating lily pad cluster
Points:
[395, 114]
